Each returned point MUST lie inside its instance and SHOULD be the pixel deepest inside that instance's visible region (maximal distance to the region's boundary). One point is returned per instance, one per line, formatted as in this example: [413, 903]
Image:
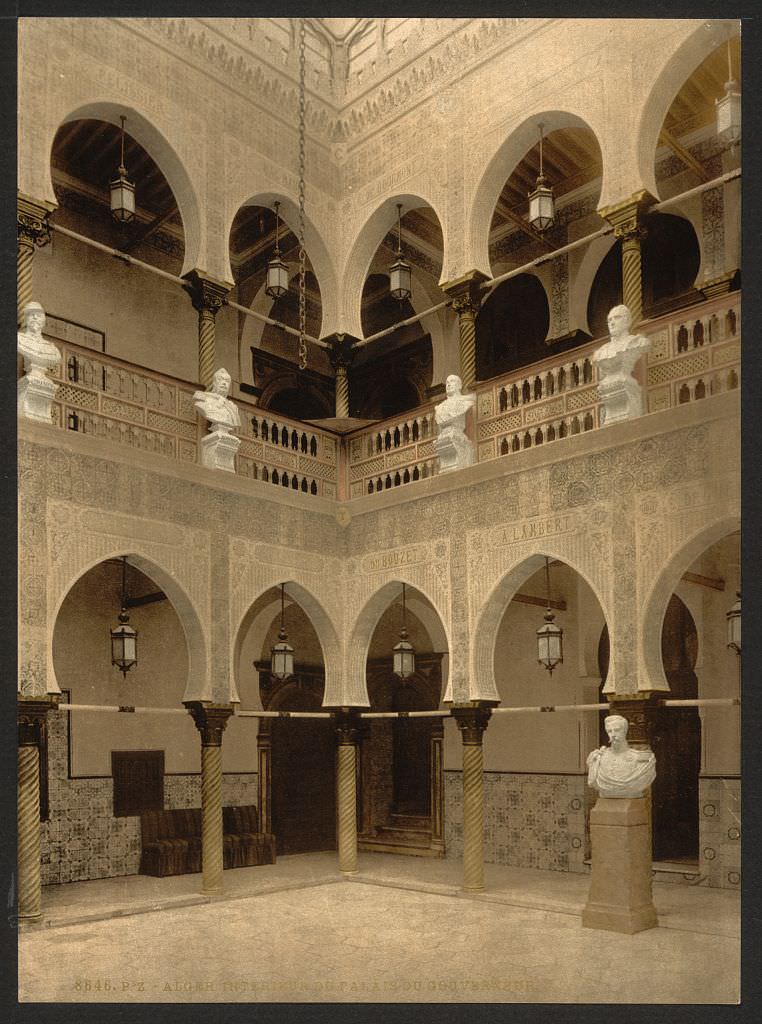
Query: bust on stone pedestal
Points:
[35, 389]
[620, 393]
[219, 447]
[452, 446]
[618, 770]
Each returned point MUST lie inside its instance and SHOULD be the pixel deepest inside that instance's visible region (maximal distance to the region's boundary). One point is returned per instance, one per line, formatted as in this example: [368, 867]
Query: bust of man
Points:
[618, 770]
[215, 405]
[39, 354]
[623, 349]
[451, 413]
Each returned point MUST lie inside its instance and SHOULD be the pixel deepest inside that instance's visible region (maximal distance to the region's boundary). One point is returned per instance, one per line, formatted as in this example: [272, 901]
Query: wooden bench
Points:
[171, 840]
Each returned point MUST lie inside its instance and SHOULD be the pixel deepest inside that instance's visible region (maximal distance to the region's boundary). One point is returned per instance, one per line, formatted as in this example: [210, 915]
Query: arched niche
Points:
[679, 66]
[571, 158]
[162, 155]
[423, 245]
[81, 657]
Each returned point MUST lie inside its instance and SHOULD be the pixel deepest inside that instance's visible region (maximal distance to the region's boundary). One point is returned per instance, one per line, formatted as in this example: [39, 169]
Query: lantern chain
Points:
[302, 253]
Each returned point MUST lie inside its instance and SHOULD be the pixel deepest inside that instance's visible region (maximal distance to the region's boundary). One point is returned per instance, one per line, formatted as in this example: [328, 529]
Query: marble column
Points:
[264, 777]
[347, 732]
[472, 720]
[31, 714]
[208, 296]
[33, 231]
[627, 218]
[437, 786]
[466, 299]
[210, 720]
[341, 355]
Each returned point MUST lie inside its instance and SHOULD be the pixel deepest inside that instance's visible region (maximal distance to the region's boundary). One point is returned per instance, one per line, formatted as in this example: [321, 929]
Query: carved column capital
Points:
[341, 352]
[210, 720]
[31, 714]
[626, 217]
[347, 726]
[472, 720]
[208, 295]
[32, 220]
[465, 292]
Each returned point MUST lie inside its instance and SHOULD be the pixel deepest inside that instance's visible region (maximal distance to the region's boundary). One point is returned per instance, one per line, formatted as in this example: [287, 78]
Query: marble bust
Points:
[36, 390]
[39, 354]
[454, 449]
[215, 405]
[620, 392]
[618, 770]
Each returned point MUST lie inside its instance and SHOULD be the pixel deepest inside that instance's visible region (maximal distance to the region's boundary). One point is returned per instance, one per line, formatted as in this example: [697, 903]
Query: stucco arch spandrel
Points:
[263, 192]
[313, 580]
[169, 134]
[177, 559]
[677, 545]
[378, 591]
[362, 239]
[503, 570]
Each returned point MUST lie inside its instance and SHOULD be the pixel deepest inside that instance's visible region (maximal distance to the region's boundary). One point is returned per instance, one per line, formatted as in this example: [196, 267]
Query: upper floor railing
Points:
[695, 353]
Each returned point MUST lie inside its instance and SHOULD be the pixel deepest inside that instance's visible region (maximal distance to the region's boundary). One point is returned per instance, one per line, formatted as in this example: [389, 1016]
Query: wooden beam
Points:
[688, 159]
[149, 230]
[541, 602]
[507, 213]
[138, 602]
[704, 581]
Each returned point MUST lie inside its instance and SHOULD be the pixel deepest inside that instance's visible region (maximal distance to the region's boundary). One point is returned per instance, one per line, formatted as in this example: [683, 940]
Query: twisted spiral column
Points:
[347, 798]
[211, 817]
[467, 327]
[342, 392]
[632, 274]
[24, 265]
[32, 230]
[208, 296]
[29, 885]
[472, 721]
[206, 343]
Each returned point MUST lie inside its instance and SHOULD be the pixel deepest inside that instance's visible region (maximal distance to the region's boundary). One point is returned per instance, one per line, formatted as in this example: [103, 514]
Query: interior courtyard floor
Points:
[398, 931]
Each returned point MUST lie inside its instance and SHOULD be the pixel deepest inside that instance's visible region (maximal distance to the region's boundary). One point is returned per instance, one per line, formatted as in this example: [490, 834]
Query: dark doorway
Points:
[303, 774]
[411, 759]
[675, 739]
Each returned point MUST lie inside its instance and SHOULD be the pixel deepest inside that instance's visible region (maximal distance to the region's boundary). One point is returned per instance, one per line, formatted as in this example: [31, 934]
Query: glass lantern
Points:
[404, 657]
[124, 644]
[541, 206]
[728, 110]
[282, 657]
[400, 279]
[277, 277]
[122, 197]
[550, 643]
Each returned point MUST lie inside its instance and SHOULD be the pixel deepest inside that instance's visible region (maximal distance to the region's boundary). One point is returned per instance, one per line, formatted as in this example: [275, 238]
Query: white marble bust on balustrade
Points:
[218, 449]
[620, 393]
[618, 770]
[452, 446]
[35, 389]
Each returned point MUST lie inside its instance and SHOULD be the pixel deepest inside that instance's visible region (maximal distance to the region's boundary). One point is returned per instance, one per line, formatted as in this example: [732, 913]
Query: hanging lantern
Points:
[400, 277]
[404, 652]
[734, 626]
[728, 108]
[277, 272]
[124, 637]
[550, 637]
[122, 191]
[282, 654]
[541, 202]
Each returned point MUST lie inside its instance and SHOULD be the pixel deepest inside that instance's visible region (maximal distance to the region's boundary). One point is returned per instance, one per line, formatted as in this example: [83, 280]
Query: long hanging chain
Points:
[302, 253]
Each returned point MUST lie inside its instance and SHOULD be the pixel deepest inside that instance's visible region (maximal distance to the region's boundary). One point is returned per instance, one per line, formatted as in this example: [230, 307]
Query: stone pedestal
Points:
[621, 398]
[620, 898]
[218, 451]
[35, 395]
[454, 451]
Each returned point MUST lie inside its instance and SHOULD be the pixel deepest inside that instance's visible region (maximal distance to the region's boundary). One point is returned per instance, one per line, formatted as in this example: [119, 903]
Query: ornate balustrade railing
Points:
[695, 353]
[104, 397]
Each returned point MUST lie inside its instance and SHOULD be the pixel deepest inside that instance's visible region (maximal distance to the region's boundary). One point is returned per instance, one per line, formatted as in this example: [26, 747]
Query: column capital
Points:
[472, 719]
[626, 216]
[210, 720]
[206, 292]
[31, 714]
[341, 352]
[347, 725]
[32, 219]
[465, 291]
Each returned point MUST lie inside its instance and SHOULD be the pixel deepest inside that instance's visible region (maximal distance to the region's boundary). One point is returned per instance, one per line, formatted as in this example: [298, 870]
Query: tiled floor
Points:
[399, 931]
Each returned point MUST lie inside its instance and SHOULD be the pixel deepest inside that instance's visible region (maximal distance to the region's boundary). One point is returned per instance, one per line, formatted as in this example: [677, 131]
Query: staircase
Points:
[408, 834]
